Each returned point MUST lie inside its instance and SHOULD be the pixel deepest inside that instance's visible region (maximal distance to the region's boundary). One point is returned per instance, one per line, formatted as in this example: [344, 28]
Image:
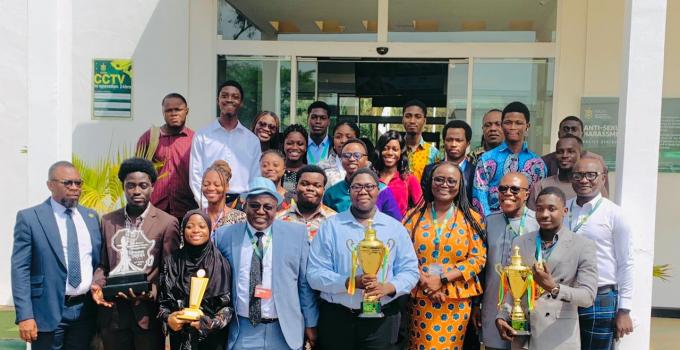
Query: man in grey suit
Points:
[502, 228]
[564, 267]
[275, 307]
[56, 248]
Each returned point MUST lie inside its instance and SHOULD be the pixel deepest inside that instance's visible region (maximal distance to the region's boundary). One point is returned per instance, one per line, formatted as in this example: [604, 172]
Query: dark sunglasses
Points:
[513, 189]
[271, 127]
[256, 206]
[353, 155]
[69, 183]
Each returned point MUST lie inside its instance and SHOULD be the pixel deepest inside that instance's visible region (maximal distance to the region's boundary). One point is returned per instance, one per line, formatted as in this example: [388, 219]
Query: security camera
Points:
[382, 50]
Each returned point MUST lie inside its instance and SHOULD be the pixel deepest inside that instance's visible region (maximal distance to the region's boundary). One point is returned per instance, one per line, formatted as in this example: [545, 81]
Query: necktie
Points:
[254, 306]
[72, 250]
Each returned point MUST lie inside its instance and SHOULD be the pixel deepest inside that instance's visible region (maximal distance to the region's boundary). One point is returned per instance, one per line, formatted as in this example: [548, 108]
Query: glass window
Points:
[265, 82]
[300, 20]
[497, 82]
[472, 21]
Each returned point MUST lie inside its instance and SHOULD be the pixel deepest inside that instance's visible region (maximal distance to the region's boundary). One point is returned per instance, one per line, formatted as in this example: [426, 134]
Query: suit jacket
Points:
[39, 266]
[573, 264]
[468, 177]
[294, 299]
[158, 226]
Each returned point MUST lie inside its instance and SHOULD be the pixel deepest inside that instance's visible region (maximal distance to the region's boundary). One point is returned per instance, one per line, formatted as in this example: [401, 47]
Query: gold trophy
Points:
[372, 254]
[520, 280]
[197, 289]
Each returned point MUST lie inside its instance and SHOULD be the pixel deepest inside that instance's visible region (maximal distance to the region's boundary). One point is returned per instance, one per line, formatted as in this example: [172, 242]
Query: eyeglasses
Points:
[359, 187]
[440, 181]
[352, 155]
[263, 124]
[513, 189]
[256, 206]
[589, 175]
[69, 183]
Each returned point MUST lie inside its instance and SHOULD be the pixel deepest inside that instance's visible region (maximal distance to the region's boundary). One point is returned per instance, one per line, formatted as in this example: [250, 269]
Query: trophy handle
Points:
[391, 244]
[350, 244]
[499, 269]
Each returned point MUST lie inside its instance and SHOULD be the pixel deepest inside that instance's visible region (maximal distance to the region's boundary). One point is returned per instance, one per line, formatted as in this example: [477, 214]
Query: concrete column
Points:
[202, 63]
[638, 147]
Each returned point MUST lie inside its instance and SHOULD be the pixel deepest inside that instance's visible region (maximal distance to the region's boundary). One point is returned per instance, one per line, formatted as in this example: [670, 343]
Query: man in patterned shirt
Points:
[510, 156]
[307, 208]
[419, 152]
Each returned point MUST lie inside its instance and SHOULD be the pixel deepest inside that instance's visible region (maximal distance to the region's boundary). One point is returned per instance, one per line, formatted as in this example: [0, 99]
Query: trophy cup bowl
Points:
[370, 252]
[196, 291]
[516, 275]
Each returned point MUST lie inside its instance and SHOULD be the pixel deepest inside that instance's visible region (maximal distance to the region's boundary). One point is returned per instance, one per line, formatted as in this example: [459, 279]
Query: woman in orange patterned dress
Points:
[448, 238]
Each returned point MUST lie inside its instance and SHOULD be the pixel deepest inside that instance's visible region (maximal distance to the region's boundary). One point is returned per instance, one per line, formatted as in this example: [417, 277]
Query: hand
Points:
[432, 283]
[132, 296]
[310, 335]
[624, 324]
[476, 317]
[28, 330]
[98, 296]
[367, 281]
[357, 282]
[543, 277]
[196, 325]
[379, 290]
[438, 297]
[504, 330]
[175, 323]
[422, 279]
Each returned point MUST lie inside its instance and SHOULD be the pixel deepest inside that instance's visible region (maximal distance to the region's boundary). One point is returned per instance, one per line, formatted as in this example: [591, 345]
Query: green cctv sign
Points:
[112, 88]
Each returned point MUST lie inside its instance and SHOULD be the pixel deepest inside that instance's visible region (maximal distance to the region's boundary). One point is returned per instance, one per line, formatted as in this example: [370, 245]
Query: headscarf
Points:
[189, 259]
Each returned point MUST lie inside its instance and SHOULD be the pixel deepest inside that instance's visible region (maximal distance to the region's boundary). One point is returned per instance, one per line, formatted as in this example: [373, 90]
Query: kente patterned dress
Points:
[435, 325]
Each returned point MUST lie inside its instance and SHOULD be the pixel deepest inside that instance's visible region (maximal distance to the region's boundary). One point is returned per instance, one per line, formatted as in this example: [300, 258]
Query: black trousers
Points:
[340, 328]
[75, 330]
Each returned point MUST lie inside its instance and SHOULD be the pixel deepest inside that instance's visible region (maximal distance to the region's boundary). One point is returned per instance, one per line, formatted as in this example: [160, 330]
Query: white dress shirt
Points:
[239, 147]
[611, 233]
[243, 289]
[84, 246]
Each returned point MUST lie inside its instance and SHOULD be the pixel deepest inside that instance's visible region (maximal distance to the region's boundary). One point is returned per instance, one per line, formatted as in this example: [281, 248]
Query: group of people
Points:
[272, 220]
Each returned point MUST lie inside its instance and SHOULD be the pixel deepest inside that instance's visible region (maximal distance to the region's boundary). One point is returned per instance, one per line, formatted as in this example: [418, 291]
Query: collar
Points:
[504, 146]
[590, 203]
[215, 125]
[321, 210]
[267, 231]
[183, 132]
[141, 217]
[324, 142]
[59, 208]
[346, 218]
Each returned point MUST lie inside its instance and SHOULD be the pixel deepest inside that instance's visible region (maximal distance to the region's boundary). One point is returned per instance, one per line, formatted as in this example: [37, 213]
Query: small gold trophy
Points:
[520, 280]
[372, 254]
[197, 289]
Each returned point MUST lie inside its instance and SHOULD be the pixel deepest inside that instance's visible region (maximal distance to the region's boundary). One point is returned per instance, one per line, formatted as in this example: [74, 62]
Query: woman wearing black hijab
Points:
[197, 253]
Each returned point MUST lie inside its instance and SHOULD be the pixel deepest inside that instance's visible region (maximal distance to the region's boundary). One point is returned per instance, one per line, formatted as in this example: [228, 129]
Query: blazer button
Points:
[547, 314]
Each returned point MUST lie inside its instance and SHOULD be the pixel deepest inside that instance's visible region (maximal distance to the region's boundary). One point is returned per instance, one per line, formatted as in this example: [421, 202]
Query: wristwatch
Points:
[443, 279]
[555, 291]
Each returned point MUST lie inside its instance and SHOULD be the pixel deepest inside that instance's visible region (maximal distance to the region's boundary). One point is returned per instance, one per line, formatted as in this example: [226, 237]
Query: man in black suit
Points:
[456, 135]
[56, 248]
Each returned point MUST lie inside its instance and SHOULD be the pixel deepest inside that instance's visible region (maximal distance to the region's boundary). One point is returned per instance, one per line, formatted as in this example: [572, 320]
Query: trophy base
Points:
[520, 327]
[190, 314]
[123, 283]
[371, 309]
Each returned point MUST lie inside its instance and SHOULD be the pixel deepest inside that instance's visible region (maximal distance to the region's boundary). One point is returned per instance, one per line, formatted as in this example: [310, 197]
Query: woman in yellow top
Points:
[448, 238]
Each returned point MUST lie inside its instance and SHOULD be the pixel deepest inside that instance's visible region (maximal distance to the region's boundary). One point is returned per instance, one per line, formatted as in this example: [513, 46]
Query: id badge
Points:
[262, 292]
[435, 269]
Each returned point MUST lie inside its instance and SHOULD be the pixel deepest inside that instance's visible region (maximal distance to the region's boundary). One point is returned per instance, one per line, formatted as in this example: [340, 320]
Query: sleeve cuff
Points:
[625, 303]
[339, 285]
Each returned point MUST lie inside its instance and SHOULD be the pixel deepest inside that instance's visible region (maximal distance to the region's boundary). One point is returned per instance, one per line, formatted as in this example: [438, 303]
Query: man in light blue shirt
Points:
[329, 268]
[318, 145]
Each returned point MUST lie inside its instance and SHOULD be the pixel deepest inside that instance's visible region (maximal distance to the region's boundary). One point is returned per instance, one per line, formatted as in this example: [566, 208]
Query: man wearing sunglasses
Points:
[512, 155]
[56, 248]
[273, 302]
[597, 218]
[513, 221]
[329, 270]
[318, 145]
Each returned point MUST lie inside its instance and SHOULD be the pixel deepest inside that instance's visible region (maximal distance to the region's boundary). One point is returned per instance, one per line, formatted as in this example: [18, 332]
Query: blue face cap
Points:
[262, 185]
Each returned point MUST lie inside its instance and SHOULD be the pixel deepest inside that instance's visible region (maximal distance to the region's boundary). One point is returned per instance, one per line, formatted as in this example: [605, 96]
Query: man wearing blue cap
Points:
[275, 307]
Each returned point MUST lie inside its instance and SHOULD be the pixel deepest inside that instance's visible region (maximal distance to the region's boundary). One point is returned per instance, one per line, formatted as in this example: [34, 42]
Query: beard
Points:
[68, 203]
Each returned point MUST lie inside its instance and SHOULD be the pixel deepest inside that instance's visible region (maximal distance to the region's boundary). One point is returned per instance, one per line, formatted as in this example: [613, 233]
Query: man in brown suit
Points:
[135, 238]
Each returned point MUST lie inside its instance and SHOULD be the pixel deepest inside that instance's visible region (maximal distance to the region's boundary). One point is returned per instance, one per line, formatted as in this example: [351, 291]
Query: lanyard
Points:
[324, 153]
[539, 249]
[253, 242]
[438, 228]
[582, 221]
[522, 221]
